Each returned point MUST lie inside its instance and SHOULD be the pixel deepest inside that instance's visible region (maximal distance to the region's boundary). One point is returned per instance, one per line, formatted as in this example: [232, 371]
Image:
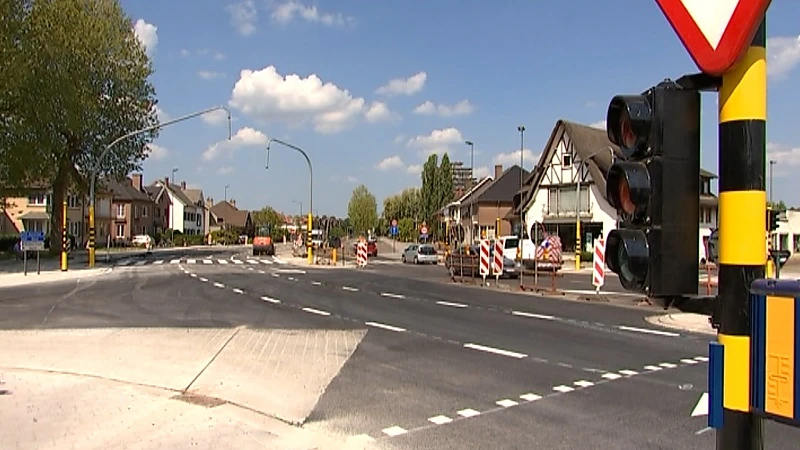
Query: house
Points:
[132, 208]
[574, 153]
[451, 212]
[7, 225]
[787, 236]
[187, 211]
[162, 204]
[226, 216]
[489, 201]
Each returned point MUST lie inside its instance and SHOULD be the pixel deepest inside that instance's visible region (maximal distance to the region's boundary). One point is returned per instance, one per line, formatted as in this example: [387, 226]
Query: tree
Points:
[443, 191]
[779, 206]
[268, 216]
[428, 190]
[402, 205]
[362, 210]
[78, 84]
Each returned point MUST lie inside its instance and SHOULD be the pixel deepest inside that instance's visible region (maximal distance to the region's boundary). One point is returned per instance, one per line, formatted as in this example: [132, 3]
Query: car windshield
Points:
[427, 250]
[511, 243]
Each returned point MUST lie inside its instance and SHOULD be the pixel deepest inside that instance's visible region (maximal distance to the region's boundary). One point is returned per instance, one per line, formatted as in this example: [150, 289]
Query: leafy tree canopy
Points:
[362, 210]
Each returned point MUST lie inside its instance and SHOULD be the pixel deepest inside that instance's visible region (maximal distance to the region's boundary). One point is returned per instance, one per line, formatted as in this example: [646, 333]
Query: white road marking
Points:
[611, 376]
[266, 261]
[316, 311]
[249, 268]
[648, 331]
[316, 283]
[563, 388]
[506, 403]
[583, 383]
[384, 326]
[261, 271]
[497, 351]
[222, 261]
[203, 279]
[652, 368]
[390, 295]
[193, 275]
[238, 261]
[688, 361]
[292, 279]
[238, 291]
[275, 275]
[140, 263]
[159, 262]
[297, 271]
[270, 299]
[532, 315]
[190, 261]
[701, 358]
[208, 261]
[351, 289]
[530, 397]
[440, 420]
[393, 431]
[629, 372]
[452, 305]
[252, 261]
[468, 413]
[668, 365]
[175, 261]
[219, 285]
[278, 260]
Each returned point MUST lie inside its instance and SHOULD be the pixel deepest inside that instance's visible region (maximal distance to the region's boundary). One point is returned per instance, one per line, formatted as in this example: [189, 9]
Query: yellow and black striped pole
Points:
[742, 221]
[309, 239]
[64, 237]
[91, 237]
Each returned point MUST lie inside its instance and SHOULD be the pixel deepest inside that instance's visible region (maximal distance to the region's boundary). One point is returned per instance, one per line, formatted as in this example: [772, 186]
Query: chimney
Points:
[166, 181]
[498, 170]
[210, 201]
[183, 185]
[233, 202]
[136, 181]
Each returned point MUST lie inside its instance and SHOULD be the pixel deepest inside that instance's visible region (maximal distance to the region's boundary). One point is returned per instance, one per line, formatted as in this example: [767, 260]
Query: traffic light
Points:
[772, 219]
[655, 187]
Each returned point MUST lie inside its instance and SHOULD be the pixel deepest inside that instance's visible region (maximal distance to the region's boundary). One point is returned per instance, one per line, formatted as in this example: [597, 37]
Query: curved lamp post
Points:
[99, 162]
[309, 248]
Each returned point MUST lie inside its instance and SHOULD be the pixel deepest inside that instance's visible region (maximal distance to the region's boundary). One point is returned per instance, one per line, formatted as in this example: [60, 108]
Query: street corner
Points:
[691, 322]
[51, 276]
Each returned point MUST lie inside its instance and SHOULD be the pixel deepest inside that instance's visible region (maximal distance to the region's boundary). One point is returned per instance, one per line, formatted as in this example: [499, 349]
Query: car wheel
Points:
[404, 259]
[416, 260]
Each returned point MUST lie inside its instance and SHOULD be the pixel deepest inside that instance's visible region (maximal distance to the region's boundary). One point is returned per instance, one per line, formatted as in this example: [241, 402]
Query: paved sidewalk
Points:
[695, 323]
[48, 276]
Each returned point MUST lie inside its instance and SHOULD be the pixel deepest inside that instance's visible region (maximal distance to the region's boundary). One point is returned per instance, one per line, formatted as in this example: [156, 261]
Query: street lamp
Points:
[173, 174]
[97, 163]
[310, 191]
[471, 161]
[578, 204]
[521, 130]
[226, 191]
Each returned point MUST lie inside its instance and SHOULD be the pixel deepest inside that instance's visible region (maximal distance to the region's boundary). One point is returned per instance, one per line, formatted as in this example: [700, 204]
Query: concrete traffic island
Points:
[695, 323]
[48, 276]
[168, 388]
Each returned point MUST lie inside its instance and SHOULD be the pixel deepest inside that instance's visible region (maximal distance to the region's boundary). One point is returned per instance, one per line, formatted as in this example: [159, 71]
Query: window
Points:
[561, 200]
[144, 211]
[73, 201]
[120, 211]
[75, 228]
[37, 200]
[144, 229]
[136, 211]
[120, 230]
[566, 159]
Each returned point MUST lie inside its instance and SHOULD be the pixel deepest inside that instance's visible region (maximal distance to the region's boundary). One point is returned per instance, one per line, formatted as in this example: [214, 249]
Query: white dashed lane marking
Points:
[440, 420]
[208, 261]
[384, 326]
[648, 331]
[530, 397]
[270, 299]
[191, 261]
[563, 388]
[393, 431]
[175, 261]
[159, 262]
[316, 283]
[667, 365]
[532, 315]
[222, 261]
[203, 279]
[219, 285]
[452, 305]
[316, 311]
[507, 403]
[390, 295]
[468, 413]
[238, 291]
[496, 351]
[348, 288]
[583, 383]
[611, 376]
[629, 373]
[275, 275]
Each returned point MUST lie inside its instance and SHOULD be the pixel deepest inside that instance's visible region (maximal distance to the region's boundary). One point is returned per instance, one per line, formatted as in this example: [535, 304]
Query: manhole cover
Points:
[199, 400]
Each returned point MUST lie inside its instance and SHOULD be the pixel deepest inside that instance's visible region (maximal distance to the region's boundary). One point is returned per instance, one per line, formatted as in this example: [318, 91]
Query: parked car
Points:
[420, 254]
[372, 248]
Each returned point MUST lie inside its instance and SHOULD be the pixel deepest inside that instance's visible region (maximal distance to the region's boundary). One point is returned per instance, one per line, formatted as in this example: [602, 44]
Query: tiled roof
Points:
[124, 191]
[230, 214]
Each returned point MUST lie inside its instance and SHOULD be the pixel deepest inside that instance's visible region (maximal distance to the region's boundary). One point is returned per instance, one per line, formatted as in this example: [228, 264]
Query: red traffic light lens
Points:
[629, 120]
[628, 187]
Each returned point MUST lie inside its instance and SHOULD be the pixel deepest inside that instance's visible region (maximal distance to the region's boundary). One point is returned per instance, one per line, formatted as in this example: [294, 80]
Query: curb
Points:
[673, 321]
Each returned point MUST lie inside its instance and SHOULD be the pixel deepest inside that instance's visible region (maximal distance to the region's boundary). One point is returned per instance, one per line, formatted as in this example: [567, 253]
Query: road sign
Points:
[394, 222]
[393, 230]
[716, 33]
[30, 241]
[424, 230]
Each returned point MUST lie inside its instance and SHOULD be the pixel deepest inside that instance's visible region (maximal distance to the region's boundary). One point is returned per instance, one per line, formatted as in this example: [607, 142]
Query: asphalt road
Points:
[442, 366]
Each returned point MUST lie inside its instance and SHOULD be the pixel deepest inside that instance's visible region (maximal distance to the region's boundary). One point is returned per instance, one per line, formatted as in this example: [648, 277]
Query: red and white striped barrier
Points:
[485, 266]
[497, 261]
[599, 264]
[361, 254]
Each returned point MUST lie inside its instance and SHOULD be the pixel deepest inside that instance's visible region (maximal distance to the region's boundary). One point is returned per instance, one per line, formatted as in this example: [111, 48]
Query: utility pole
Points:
[173, 174]
[226, 191]
[521, 130]
[471, 162]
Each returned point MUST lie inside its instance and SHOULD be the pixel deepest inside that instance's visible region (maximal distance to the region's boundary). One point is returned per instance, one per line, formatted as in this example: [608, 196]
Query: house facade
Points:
[226, 216]
[480, 209]
[132, 209]
[568, 185]
[451, 213]
[187, 209]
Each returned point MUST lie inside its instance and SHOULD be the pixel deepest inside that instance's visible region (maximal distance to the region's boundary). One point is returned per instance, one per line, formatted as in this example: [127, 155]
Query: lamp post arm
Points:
[310, 169]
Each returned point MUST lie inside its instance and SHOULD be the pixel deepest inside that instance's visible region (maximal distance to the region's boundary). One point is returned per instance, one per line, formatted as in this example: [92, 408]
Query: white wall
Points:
[176, 213]
[788, 232]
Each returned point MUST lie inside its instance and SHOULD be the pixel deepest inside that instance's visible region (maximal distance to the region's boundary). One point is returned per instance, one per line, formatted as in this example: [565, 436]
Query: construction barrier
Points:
[462, 265]
[485, 268]
[547, 260]
[497, 262]
[599, 265]
[711, 279]
[361, 255]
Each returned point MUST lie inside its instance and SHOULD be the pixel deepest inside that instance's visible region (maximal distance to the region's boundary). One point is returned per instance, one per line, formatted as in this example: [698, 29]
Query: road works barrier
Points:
[711, 278]
[599, 265]
[361, 254]
[541, 269]
[485, 260]
[497, 262]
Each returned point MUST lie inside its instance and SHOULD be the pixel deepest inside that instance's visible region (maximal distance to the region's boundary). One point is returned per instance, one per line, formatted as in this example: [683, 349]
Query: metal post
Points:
[521, 130]
[742, 155]
[97, 163]
[310, 191]
[64, 262]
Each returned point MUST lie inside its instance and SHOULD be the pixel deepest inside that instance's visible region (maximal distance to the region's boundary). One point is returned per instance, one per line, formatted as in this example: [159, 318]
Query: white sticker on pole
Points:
[599, 263]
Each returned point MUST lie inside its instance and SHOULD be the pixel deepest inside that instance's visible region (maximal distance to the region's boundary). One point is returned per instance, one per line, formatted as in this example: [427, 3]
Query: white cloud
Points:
[379, 112]
[512, 158]
[156, 151]
[414, 169]
[245, 137]
[217, 56]
[438, 141]
[392, 162]
[481, 172]
[215, 117]
[408, 86]
[599, 125]
[147, 34]
[244, 17]
[787, 158]
[287, 11]
[225, 170]
[399, 139]
[209, 75]
[783, 55]
[267, 95]
[429, 108]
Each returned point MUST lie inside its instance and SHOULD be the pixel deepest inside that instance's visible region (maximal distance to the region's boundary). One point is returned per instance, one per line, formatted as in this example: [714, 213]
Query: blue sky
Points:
[370, 88]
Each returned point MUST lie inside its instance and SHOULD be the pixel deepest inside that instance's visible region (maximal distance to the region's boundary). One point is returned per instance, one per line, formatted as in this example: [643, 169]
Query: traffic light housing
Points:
[655, 188]
[772, 219]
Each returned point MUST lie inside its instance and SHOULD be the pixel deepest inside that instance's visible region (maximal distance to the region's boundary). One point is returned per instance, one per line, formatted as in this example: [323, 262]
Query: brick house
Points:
[131, 209]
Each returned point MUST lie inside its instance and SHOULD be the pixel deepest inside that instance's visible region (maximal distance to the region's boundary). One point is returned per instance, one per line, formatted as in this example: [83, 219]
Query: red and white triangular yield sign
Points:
[715, 32]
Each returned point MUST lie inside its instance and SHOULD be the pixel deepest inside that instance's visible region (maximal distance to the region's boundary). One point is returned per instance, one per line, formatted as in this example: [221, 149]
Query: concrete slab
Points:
[17, 278]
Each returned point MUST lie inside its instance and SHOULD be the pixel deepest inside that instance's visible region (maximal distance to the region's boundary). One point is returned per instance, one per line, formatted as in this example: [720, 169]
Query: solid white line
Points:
[208, 261]
[270, 299]
[159, 262]
[316, 283]
[390, 295]
[190, 261]
[453, 305]
[532, 315]
[563, 389]
[222, 261]
[497, 351]
[219, 285]
[238, 291]
[648, 331]
[297, 271]
[440, 420]
[175, 261]
[316, 311]
[530, 397]
[351, 289]
[393, 431]
[384, 326]
[468, 413]
[583, 383]
[506, 403]
[203, 279]
[611, 376]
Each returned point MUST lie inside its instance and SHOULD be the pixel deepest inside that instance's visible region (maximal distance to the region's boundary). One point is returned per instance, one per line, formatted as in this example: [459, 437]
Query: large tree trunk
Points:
[60, 185]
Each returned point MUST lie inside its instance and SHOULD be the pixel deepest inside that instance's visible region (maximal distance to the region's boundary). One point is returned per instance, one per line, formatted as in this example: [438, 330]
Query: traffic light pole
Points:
[742, 256]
